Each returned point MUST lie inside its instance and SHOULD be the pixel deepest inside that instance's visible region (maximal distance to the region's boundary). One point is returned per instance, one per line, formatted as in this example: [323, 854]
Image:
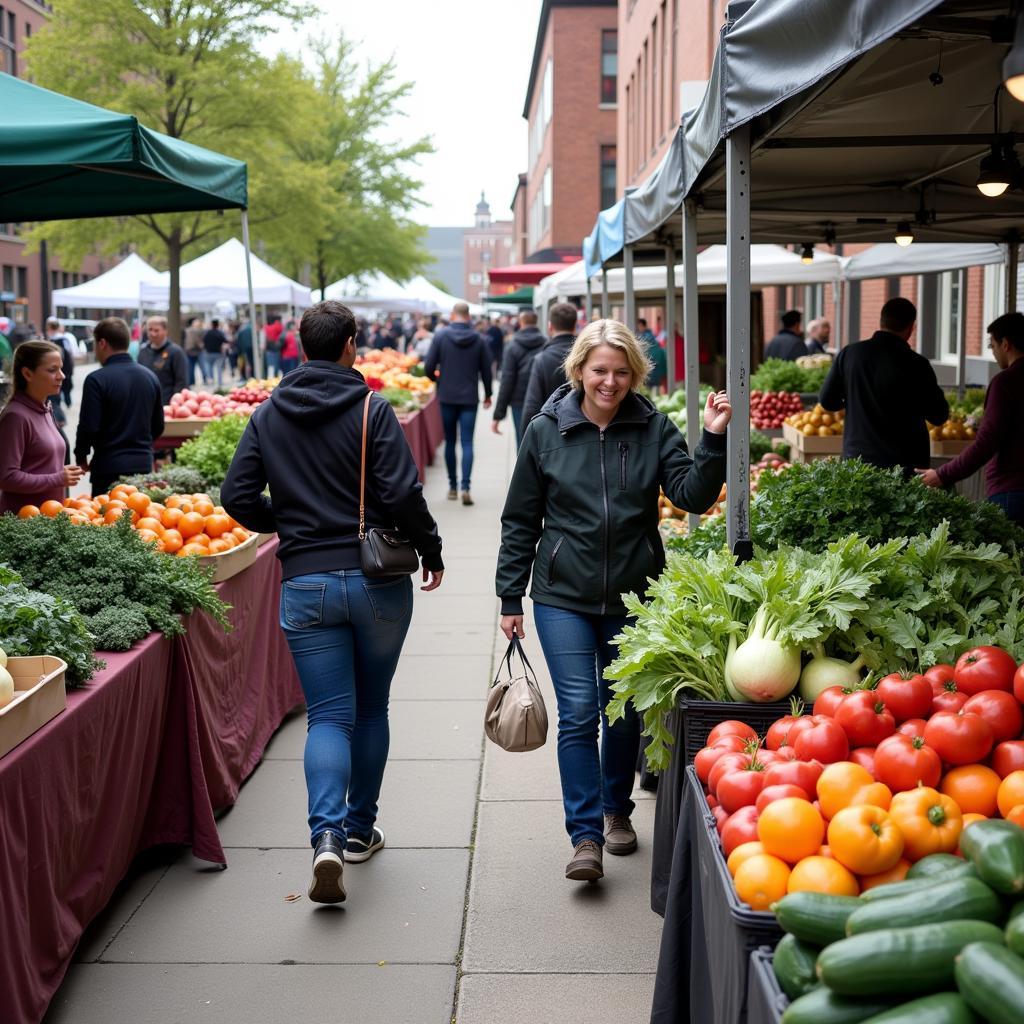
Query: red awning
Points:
[524, 273]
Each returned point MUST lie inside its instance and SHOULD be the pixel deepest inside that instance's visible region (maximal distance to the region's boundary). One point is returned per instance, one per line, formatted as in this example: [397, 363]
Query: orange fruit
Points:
[203, 506]
[217, 524]
[219, 546]
[170, 517]
[791, 829]
[192, 549]
[219, 510]
[895, 874]
[148, 536]
[973, 787]
[1011, 792]
[200, 538]
[825, 851]
[186, 506]
[173, 501]
[70, 503]
[100, 498]
[190, 524]
[742, 852]
[822, 874]
[151, 524]
[51, 509]
[27, 511]
[77, 519]
[761, 880]
[230, 539]
[972, 816]
[156, 509]
[128, 488]
[138, 502]
[173, 541]
[119, 494]
[113, 515]
[1016, 815]
[241, 533]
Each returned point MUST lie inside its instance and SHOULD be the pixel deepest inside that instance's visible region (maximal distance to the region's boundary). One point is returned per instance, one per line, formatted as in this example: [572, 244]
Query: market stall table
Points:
[145, 754]
[424, 432]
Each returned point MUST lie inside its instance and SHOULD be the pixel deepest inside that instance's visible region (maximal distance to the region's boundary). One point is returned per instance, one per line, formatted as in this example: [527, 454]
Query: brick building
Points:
[486, 245]
[570, 108]
[26, 280]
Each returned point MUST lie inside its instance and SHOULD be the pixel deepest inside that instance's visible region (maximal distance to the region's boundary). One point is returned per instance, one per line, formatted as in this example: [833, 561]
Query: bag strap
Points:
[362, 470]
[515, 646]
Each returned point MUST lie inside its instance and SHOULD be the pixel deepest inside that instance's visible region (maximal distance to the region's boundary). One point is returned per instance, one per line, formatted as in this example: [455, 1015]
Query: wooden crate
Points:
[231, 563]
[39, 695]
[948, 449]
[192, 427]
[265, 538]
[813, 445]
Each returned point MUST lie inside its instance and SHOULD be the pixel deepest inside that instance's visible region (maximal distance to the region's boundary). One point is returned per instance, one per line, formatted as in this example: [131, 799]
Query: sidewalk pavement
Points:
[465, 916]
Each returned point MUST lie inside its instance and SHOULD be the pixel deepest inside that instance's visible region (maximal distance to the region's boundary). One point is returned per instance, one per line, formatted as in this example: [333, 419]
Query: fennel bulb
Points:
[762, 668]
[821, 672]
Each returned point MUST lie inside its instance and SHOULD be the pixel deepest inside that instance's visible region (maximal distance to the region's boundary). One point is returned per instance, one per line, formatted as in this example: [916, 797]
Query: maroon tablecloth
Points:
[424, 432]
[142, 756]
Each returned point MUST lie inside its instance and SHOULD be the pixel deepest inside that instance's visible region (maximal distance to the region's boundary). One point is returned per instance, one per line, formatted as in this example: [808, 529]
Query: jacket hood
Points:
[318, 391]
[564, 408]
[462, 333]
[529, 337]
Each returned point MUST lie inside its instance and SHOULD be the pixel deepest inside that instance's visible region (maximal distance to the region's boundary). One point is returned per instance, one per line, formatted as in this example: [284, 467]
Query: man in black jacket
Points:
[122, 411]
[547, 372]
[463, 359]
[515, 373]
[888, 391]
[789, 342]
[164, 358]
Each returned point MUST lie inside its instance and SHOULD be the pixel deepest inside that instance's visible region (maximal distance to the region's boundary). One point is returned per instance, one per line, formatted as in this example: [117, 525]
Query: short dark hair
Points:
[897, 315]
[528, 317]
[792, 318]
[641, 322]
[114, 331]
[1009, 327]
[563, 316]
[326, 329]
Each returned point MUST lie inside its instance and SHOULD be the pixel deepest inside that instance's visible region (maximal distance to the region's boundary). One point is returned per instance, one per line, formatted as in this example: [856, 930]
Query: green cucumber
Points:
[991, 979]
[918, 885]
[939, 864]
[822, 1006]
[959, 899]
[793, 964]
[996, 848]
[1015, 929]
[944, 1008]
[901, 961]
[815, 917]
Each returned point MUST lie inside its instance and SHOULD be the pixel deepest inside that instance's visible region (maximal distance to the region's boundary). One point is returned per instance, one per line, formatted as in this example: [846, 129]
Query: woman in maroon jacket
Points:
[32, 449]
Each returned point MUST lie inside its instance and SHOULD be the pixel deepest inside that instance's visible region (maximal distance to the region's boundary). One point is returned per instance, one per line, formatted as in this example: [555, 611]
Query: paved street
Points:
[464, 917]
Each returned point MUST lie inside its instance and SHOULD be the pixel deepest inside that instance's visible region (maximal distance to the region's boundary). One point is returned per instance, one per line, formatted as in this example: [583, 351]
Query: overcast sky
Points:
[469, 61]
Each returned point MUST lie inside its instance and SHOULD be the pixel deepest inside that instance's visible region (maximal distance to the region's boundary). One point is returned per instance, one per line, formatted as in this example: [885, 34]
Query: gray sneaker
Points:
[619, 834]
[587, 864]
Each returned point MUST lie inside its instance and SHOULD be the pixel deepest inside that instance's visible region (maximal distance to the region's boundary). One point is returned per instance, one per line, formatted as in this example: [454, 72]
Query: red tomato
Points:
[730, 728]
[724, 764]
[958, 738]
[1002, 712]
[803, 774]
[865, 719]
[823, 740]
[1018, 684]
[740, 827]
[1007, 757]
[913, 727]
[770, 793]
[739, 787]
[903, 763]
[778, 731]
[946, 696]
[721, 817]
[906, 696]
[984, 668]
[865, 757]
[707, 756]
[786, 753]
[829, 699]
[712, 802]
[939, 674]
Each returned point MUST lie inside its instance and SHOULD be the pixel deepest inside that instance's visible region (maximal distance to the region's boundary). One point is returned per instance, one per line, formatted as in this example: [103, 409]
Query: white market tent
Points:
[118, 288]
[422, 288]
[890, 260]
[377, 292]
[219, 275]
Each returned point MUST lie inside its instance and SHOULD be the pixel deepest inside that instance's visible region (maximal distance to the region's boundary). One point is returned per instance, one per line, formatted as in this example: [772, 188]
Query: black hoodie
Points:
[305, 442]
[463, 359]
[515, 369]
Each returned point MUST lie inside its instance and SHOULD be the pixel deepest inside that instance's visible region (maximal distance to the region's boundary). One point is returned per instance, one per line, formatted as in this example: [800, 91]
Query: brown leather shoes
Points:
[619, 834]
[587, 864]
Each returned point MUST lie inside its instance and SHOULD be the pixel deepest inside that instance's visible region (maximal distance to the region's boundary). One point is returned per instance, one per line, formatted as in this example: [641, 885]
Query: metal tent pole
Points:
[670, 316]
[604, 293]
[961, 344]
[630, 297]
[257, 355]
[590, 301]
[737, 156]
[837, 295]
[691, 340]
[1012, 258]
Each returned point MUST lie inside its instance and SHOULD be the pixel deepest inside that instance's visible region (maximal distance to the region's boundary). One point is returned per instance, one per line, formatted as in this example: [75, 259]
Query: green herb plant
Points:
[210, 453]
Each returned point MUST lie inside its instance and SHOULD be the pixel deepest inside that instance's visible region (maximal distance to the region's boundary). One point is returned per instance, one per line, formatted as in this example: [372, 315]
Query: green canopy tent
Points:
[63, 159]
[520, 297]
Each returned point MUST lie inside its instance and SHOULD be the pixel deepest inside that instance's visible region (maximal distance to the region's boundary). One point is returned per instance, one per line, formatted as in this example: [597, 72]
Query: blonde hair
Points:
[616, 335]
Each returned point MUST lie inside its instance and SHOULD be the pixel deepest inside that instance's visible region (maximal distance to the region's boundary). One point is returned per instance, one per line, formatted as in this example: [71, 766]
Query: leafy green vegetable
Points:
[33, 623]
[785, 375]
[110, 575]
[398, 398]
[212, 451]
[760, 445]
[169, 480]
[973, 402]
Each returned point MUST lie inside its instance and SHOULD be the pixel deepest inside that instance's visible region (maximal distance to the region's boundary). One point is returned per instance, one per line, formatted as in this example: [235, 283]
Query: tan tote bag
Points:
[516, 718]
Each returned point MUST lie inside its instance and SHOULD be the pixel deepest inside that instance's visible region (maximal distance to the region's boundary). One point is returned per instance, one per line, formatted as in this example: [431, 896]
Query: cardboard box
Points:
[39, 695]
[948, 449]
[231, 563]
[192, 427]
[811, 444]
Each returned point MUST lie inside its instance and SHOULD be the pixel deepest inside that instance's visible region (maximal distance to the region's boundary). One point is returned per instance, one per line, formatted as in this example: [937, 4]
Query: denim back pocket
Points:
[389, 598]
[302, 604]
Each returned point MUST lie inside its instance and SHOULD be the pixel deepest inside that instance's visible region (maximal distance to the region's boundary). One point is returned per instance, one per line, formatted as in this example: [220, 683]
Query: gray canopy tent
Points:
[829, 122]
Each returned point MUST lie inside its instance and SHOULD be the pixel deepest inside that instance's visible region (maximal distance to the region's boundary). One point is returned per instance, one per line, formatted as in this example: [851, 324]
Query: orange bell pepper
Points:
[930, 822]
[846, 784]
[865, 839]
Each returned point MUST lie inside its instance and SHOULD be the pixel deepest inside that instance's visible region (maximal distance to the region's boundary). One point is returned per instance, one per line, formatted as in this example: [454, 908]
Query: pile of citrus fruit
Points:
[184, 524]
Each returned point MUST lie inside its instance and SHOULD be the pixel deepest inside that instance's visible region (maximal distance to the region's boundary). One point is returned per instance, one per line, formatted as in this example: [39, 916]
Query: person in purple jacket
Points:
[32, 449]
[1000, 438]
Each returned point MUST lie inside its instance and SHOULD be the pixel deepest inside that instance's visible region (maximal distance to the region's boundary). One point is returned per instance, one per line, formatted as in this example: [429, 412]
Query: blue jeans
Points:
[288, 364]
[273, 360]
[517, 423]
[458, 419]
[193, 361]
[212, 365]
[594, 783]
[345, 633]
[1012, 503]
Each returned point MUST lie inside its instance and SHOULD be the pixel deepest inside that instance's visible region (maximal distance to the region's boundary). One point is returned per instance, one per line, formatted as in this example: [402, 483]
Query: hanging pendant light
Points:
[904, 233]
[995, 174]
[807, 253]
[1013, 64]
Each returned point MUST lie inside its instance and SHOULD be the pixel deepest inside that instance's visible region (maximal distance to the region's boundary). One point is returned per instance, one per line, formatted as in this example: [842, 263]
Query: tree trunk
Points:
[174, 292]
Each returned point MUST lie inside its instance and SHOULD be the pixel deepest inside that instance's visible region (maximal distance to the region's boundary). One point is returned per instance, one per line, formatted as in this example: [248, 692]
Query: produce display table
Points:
[424, 432]
[144, 755]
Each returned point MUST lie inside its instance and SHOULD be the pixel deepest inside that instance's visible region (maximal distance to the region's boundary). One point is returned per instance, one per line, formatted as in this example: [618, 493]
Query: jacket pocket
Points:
[623, 459]
[551, 562]
[302, 604]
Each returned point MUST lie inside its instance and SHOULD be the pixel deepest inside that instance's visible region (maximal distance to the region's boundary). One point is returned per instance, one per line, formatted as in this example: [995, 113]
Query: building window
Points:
[8, 279]
[949, 313]
[609, 66]
[542, 115]
[8, 43]
[608, 190]
[22, 282]
[547, 96]
[476, 279]
[546, 190]
[994, 301]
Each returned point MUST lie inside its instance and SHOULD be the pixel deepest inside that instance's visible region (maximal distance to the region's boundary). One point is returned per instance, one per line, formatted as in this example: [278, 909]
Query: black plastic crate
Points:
[765, 1000]
[732, 929]
[701, 716]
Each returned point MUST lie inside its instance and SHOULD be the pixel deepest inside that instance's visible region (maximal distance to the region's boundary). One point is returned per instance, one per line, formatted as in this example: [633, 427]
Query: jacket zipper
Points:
[607, 517]
[650, 547]
[551, 564]
[623, 455]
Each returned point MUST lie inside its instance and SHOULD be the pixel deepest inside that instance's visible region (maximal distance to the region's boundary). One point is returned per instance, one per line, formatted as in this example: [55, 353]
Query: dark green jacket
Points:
[591, 501]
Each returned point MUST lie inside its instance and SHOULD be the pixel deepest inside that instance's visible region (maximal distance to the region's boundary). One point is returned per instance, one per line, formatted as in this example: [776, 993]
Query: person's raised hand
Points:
[495, 429]
[432, 578]
[512, 625]
[929, 477]
[717, 412]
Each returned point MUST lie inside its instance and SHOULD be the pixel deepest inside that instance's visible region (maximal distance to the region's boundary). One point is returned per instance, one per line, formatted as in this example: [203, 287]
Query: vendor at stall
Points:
[32, 449]
[1000, 438]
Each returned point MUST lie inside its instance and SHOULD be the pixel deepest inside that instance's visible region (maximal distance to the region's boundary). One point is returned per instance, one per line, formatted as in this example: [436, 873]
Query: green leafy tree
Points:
[189, 69]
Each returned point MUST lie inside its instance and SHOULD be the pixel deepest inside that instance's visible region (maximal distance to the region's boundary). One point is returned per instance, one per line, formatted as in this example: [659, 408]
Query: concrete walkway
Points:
[466, 916]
